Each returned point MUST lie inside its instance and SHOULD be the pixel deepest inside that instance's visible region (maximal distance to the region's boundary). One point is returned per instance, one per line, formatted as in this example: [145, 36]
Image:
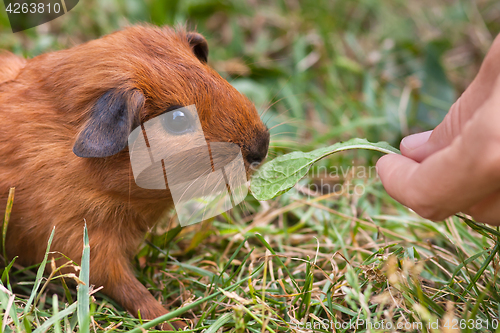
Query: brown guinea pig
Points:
[85, 101]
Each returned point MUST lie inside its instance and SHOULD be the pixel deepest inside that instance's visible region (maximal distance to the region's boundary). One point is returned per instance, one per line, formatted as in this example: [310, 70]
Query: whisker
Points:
[270, 106]
[194, 182]
[278, 115]
[245, 207]
[285, 122]
[295, 95]
[281, 133]
[276, 94]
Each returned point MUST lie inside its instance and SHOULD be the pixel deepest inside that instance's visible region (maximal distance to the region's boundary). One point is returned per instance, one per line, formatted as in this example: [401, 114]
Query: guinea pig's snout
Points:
[257, 151]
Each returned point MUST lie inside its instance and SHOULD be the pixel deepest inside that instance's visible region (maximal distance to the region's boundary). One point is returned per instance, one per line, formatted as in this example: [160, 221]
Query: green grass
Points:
[327, 71]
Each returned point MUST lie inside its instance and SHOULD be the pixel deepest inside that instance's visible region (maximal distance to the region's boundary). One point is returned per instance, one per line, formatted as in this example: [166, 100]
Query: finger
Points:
[418, 147]
[455, 178]
[487, 210]
[433, 190]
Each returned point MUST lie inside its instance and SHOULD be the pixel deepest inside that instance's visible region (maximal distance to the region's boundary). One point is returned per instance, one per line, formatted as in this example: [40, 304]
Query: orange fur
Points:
[45, 103]
[11, 66]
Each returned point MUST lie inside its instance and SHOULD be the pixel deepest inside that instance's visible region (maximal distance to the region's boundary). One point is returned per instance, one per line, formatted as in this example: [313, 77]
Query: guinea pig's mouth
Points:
[251, 168]
[256, 152]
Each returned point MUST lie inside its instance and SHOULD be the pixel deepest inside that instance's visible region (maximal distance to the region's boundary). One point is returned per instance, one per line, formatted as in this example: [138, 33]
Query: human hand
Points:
[456, 167]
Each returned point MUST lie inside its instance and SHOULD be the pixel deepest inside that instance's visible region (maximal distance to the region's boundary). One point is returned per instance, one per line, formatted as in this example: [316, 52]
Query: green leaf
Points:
[180, 311]
[219, 323]
[281, 174]
[8, 307]
[56, 318]
[8, 210]
[266, 244]
[83, 311]
[39, 275]
[197, 270]
[55, 307]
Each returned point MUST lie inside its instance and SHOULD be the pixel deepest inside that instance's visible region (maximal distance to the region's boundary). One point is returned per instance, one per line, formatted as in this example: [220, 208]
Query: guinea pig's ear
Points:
[112, 119]
[199, 46]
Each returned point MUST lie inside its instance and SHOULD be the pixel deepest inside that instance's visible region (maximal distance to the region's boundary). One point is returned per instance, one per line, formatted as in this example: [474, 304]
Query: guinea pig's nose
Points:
[257, 152]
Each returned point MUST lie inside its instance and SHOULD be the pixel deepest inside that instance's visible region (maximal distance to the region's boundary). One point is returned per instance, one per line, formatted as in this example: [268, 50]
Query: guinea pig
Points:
[66, 117]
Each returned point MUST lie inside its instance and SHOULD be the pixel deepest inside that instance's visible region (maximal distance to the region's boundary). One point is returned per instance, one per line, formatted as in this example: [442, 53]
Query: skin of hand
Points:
[456, 167]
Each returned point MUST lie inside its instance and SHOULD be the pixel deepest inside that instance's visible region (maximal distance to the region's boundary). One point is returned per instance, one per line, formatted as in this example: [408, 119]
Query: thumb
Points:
[421, 145]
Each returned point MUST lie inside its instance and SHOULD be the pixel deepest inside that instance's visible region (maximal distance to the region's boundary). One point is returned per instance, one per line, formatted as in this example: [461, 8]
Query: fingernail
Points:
[416, 140]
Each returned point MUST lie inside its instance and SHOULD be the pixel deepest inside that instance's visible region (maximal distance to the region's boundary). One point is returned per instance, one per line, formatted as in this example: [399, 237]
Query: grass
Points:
[327, 71]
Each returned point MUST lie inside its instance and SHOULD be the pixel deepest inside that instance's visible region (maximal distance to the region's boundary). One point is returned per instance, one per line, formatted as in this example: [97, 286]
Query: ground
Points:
[336, 253]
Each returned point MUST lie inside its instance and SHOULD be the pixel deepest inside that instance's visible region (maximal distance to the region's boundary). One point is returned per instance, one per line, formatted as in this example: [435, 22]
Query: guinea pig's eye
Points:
[177, 122]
